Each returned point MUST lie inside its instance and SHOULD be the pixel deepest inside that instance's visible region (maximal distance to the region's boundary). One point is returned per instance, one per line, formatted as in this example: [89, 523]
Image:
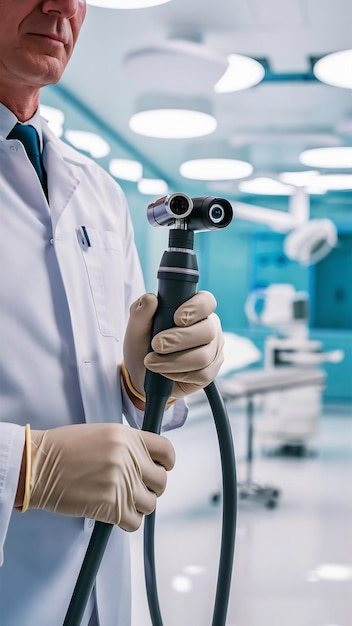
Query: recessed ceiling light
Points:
[299, 179]
[339, 157]
[172, 117]
[127, 169]
[265, 186]
[89, 142]
[172, 123]
[152, 186]
[215, 169]
[242, 73]
[331, 182]
[126, 4]
[335, 69]
[54, 117]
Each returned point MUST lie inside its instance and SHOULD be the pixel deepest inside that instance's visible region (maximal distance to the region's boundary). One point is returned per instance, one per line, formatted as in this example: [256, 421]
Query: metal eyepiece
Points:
[210, 213]
[166, 210]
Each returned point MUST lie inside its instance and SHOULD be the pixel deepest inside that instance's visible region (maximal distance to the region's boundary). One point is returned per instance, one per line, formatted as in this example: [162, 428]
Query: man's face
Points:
[37, 38]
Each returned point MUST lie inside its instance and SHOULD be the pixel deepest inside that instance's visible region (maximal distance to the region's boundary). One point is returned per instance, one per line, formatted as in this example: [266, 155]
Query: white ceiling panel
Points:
[286, 34]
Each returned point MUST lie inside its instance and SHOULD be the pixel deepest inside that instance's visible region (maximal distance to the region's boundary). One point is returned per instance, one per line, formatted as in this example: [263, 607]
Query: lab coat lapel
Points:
[62, 182]
[60, 162]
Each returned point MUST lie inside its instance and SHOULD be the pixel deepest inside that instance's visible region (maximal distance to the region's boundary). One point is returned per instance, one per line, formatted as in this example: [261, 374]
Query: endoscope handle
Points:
[177, 282]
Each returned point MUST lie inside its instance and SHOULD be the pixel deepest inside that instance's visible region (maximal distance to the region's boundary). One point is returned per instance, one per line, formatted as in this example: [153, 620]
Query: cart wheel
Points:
[271, 504]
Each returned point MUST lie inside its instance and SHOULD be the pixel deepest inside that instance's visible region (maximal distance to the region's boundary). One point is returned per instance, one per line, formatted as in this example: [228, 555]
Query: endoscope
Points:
[178, 275]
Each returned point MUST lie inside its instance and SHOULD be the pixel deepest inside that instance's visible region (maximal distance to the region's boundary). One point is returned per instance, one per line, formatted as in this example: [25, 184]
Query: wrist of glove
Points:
[107, 472]
[190, 353]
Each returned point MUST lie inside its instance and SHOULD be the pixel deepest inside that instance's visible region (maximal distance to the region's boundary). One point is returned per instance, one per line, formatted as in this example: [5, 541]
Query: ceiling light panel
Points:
[338, 157]
[55, 118]
[152, 186]
[215, 169]
[92, 143]
[335, 69]
[299, 179]
[126, 169]
[171, 117]
[265, 186]
[330, 182]
[172, 123]
[242, 73]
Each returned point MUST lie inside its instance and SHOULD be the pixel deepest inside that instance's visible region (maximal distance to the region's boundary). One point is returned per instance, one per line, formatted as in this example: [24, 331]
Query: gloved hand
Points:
[190, 353]
[107, 472]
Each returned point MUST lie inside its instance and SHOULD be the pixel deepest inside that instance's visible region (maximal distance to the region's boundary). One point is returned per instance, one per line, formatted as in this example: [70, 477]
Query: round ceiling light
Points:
[166, 117]
[172, 123]
[242, 73]
[331, 182]
[89, 142]
[126, 4]
[215, 169]
[299, 179]
[152, 186]
[126, 169]
[338, 157]
[55, 118]
[265, 186]
[335, 69]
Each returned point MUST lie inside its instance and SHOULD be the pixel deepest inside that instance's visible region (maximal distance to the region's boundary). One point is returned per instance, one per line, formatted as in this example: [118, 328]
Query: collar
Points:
[9, 119]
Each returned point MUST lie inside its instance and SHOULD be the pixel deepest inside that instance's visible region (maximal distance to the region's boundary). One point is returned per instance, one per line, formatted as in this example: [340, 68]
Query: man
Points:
[75, 331]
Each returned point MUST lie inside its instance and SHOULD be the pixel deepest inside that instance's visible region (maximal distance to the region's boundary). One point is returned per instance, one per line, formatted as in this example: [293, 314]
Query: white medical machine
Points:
[307, 241]
[289, 417]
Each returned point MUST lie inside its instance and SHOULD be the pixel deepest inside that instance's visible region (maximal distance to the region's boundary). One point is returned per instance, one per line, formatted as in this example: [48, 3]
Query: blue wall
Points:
[243, 256]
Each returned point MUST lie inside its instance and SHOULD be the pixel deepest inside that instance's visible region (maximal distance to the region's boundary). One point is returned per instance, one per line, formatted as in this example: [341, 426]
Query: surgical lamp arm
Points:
[278, 221]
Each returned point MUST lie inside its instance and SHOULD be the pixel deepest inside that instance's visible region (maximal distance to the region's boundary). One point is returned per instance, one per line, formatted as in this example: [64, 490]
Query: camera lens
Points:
[216, 213]
[179, 205]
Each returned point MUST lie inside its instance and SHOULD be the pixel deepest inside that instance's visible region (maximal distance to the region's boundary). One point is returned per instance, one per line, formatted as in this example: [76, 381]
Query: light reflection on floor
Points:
[292, 563]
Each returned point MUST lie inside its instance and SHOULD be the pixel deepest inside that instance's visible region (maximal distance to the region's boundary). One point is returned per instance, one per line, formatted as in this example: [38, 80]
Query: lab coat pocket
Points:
[103, 258]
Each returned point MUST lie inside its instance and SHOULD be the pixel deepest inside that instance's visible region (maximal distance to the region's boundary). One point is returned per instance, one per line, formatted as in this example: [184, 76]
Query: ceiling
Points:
[268, 124]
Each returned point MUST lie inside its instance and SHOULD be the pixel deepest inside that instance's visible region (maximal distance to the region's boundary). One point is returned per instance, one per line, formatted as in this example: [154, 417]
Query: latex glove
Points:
[191, 353]
[107, 472]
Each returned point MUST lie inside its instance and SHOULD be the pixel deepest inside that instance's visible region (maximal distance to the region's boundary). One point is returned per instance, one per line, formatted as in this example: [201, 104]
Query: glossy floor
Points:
[293, 563]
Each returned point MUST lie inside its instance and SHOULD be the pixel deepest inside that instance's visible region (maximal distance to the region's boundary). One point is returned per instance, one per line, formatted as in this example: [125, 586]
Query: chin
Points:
[46, 72]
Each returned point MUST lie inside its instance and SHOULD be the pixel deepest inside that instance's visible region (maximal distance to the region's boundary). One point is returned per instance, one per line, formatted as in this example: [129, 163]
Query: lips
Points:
[51, 36]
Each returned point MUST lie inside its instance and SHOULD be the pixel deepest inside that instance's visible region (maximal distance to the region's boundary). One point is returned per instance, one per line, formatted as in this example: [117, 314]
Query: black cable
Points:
[229, 511]
[86, 579]
[150, 570]
[229, 515]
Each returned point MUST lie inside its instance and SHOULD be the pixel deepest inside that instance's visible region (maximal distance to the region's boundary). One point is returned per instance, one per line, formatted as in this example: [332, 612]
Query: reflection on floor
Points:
[293, 563]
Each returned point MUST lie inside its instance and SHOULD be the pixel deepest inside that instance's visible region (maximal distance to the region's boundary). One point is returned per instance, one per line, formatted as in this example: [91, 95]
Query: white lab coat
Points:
[43, 552]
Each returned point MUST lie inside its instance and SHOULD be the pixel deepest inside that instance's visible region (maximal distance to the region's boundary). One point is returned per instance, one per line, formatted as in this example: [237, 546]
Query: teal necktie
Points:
[28, 136]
